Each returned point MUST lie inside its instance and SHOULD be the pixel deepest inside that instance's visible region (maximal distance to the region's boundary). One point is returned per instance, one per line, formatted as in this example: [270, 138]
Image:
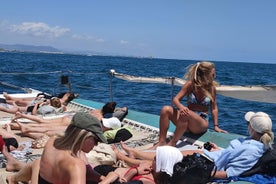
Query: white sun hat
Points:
[260, 121]
[113, 123]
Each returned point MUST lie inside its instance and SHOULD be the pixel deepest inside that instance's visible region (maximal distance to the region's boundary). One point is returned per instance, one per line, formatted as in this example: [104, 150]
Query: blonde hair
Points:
[72, 139]
[199, 74]
[267, 138]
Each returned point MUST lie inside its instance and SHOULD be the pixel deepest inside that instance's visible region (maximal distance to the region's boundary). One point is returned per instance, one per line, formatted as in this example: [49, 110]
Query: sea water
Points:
[89, 77]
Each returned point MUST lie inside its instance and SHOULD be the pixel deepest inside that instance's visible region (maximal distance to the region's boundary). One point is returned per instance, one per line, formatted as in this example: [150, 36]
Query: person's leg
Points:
[167, 114]
[24, 175]
[117, 174]
[32, 128]
[12, 163]
[34, 118]
[181, 125]
[35, 171]
[6, 132]
[12, 110]
[65, 120]
[133, 161]
[137, 154]
[196, 124]
[192, 122]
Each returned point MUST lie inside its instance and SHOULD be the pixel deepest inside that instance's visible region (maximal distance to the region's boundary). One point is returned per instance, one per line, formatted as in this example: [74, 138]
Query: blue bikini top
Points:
[192, 99]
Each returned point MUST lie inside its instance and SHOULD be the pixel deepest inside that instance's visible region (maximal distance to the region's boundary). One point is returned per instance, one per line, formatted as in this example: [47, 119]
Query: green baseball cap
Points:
[90, 123]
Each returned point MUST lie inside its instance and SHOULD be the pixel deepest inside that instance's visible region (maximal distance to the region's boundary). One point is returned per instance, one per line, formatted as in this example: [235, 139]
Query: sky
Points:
[215, 30]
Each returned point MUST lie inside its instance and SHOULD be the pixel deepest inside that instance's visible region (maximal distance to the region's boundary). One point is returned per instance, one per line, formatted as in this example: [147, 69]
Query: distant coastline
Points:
[29, 48]
[51, 50]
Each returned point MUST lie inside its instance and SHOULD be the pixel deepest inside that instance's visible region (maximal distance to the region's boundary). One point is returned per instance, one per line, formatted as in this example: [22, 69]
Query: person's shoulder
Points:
[73, 164]
[188, 82]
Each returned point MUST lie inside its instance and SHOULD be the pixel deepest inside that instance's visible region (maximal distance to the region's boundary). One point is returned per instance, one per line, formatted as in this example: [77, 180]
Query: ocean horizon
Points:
[89, 77]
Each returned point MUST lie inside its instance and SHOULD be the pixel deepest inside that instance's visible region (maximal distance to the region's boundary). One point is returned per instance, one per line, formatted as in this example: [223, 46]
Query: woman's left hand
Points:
[144, 168]
[217, 129]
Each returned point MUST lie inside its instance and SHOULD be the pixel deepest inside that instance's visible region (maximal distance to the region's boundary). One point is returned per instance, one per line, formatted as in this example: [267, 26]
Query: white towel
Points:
[166, 157]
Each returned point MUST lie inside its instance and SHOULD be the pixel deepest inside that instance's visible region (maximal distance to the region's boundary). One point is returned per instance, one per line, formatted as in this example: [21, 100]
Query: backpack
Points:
[265, 165]
[193, 169]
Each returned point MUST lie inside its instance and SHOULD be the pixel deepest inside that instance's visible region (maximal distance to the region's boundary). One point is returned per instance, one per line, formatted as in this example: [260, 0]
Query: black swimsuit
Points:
[10, 142]
[42, 180]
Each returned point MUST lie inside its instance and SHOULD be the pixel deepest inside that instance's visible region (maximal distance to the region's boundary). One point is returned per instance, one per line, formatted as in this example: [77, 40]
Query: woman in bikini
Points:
[200, 90]
[41, 107]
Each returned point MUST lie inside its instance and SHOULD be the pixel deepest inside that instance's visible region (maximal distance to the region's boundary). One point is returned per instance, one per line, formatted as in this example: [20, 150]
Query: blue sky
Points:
[216, 30]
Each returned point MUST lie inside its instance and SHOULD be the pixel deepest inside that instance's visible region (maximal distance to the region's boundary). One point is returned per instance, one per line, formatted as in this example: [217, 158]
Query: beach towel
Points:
[101, 154]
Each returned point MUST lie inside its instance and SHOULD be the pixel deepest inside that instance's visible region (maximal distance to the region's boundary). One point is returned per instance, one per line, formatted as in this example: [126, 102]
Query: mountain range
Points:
[28, 48]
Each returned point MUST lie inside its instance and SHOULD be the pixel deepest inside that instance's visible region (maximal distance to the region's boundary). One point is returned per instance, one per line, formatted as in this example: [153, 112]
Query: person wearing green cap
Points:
[63, 158]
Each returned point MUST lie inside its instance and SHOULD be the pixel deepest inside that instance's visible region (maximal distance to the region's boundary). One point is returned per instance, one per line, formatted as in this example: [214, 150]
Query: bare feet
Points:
[7, 97]
[11, 179]
[12, 164]
[23, 127]
[17, 115]
[118, 154]
[14, 125]
[128, 150]
[7, 127]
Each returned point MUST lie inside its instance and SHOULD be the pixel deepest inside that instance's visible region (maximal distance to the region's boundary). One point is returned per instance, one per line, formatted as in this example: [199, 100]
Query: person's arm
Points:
[220, 175]
[214, 109]
[143, 168]
[34, 112]
[179, 96]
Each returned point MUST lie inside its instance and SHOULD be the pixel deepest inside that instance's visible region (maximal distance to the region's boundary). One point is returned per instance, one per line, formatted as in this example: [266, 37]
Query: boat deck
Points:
[145, 132]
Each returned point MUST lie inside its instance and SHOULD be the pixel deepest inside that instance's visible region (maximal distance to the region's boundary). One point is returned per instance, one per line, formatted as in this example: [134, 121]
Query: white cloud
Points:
[87, 38]
[100, 40]
[39, 29]
[82, 37]
[123, 42]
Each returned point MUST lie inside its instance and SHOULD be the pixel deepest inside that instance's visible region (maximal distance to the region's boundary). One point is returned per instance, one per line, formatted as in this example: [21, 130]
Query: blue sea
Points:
[89, 77]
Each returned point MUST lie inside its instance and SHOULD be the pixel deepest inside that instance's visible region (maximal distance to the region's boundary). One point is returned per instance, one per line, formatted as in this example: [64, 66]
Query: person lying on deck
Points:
[68, 164]
[45, 128]
[159, 170]
[65, 98]
[169, 167]
[40, 107]
[8, 139]
[241, 154]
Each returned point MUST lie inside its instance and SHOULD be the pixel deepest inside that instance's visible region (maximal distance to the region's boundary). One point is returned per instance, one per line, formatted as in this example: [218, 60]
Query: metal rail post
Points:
[111, 74]
[172, 89]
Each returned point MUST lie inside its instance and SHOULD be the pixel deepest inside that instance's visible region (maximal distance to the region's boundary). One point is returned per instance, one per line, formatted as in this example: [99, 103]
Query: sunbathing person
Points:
[157, 170]
[42, 129]
[238, 157]
[40, 107]
[9, 139]
[65, 98]
[109, 116]
[67, 165]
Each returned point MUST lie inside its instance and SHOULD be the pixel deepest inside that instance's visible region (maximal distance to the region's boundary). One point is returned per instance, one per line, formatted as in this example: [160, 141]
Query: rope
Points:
[16, 87]
[30, 73]
[102, 73]
[87, 87]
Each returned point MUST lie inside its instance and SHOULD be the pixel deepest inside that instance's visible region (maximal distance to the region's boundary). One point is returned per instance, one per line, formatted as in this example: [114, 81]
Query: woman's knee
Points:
[166, 109]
